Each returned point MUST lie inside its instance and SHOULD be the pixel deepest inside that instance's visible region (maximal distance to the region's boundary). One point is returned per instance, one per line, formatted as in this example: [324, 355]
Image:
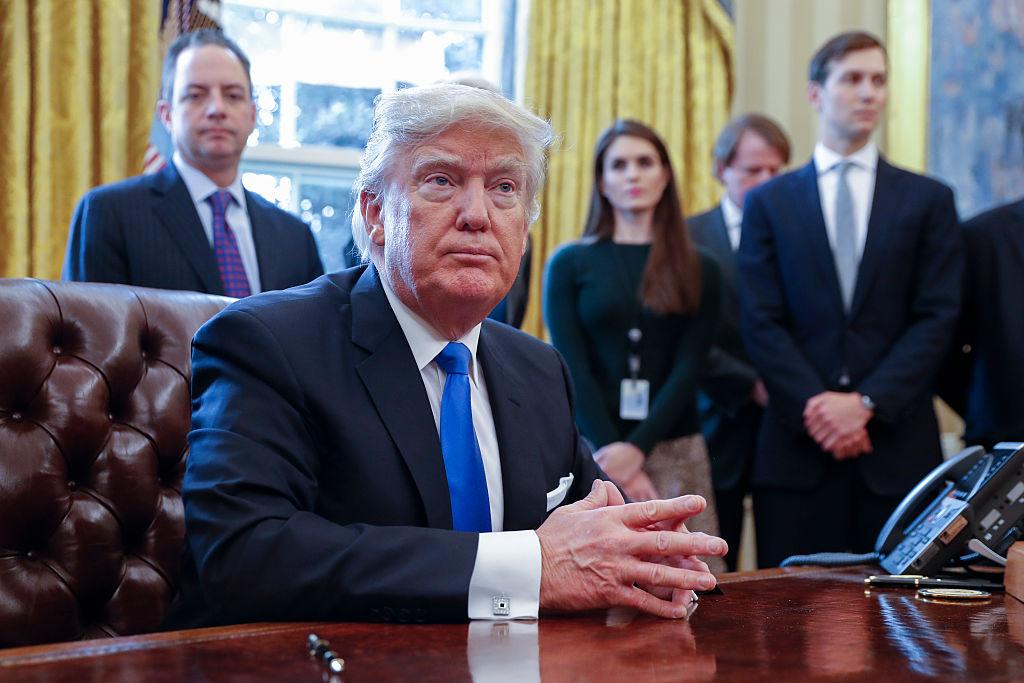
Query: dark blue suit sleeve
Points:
[727, 380]
[789, 377]
[250, 494]
[96, 249]
[909, 368]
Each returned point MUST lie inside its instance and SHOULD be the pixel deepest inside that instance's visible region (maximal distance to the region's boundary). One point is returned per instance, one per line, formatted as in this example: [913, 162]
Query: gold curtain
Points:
[79, 80]
[908, 39]
[667, 63]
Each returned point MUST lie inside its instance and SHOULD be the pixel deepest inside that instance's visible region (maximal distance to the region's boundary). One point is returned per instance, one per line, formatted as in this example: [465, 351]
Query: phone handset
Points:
[939, 483]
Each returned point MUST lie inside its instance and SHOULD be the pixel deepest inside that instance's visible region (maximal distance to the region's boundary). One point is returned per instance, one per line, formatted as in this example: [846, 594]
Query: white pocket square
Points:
[556, 496]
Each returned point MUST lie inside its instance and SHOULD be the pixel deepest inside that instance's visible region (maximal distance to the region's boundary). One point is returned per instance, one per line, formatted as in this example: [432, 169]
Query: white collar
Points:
[732, 214]
[423, 339]
[825, 159]
[199, 185]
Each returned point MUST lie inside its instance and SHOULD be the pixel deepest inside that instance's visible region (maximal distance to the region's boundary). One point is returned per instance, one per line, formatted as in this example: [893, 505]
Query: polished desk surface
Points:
[769, 625]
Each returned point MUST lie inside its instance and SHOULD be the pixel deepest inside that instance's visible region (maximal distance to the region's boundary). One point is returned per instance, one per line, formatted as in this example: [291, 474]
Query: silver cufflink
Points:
[501, 605]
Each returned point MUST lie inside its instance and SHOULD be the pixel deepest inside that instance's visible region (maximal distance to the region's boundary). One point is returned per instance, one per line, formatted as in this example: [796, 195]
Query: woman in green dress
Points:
[633, 308]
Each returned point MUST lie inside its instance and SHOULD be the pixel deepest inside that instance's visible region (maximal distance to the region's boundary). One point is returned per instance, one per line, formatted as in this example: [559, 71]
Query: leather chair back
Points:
[94, 418]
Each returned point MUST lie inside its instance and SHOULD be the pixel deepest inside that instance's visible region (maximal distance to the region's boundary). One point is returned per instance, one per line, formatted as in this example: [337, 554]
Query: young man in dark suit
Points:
[369, 447]
[192, 225]
[850, 275]
[750, 150]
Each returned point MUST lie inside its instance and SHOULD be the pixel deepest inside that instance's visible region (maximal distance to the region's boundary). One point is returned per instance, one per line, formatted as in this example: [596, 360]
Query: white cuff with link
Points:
[506, 576]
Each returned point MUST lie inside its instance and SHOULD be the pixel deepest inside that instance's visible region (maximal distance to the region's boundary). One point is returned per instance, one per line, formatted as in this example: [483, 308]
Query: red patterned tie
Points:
[229, 261]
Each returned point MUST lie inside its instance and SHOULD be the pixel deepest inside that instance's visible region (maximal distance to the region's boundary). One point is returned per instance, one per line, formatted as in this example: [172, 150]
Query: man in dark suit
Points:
[850, 285]
[985, 375]
[192, 225]
[363, 447]
[750, 150]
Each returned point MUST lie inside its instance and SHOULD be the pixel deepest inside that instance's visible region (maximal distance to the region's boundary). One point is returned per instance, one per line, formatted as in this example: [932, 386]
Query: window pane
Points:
[327, 208]
[273, 187]
[434, 55]
[331, 115]
[452, 10]
[268, 115]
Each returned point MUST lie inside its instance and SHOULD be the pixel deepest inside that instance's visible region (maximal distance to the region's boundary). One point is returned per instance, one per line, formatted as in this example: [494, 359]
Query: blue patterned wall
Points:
[976, 131]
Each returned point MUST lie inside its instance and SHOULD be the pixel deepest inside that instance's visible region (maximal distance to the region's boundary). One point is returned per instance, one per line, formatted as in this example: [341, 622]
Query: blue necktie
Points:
[463, 465]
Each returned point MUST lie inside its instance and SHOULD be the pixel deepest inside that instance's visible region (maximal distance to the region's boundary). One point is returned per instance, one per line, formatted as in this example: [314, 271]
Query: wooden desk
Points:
[774, 625]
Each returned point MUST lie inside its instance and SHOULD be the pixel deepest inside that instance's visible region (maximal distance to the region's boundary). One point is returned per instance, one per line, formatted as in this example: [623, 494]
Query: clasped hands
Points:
[601, 552]
[623, 463]
[837, 421]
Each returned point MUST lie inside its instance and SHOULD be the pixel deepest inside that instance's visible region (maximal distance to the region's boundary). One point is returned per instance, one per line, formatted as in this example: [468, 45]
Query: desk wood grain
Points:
[775, 625]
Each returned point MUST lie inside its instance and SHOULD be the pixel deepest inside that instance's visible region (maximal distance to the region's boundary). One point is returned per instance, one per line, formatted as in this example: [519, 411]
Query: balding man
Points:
[750, 150]
[192, 225]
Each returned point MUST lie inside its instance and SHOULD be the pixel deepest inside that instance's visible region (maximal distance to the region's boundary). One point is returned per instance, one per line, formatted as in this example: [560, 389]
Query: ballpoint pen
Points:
[916, 581]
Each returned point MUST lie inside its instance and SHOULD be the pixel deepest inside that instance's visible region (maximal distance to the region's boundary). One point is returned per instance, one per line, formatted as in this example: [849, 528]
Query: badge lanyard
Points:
[634, 393]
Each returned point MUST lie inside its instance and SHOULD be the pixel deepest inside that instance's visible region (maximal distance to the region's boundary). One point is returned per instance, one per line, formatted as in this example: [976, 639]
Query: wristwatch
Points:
[866, 401]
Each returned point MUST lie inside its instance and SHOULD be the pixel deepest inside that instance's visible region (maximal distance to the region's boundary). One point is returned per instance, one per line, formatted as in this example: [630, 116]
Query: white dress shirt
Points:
[733, 216]
[508, 563]
[861, 178]
[200, 187]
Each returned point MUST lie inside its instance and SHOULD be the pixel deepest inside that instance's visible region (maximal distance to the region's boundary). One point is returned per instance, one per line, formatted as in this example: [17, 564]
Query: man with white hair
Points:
[364, 447]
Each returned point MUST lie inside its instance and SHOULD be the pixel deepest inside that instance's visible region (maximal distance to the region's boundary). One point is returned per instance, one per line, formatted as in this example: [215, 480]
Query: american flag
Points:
[177, 17]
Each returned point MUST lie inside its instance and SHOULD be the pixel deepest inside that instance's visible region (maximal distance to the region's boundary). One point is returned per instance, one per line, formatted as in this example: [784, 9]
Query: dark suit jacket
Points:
[145, 231]
[315, 487]
[729, 420]
[985, 375]
[890, 345]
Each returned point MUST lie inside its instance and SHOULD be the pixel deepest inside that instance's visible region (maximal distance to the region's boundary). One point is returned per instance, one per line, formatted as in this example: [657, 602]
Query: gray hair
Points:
[407, 118]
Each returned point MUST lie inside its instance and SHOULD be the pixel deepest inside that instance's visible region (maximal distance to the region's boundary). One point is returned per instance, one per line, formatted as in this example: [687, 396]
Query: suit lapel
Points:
[175, 211]
[811, 222]
[722, 247]
[522, 471]
[264, 242]
[1016, 233]
[393, 381]
[884, 214]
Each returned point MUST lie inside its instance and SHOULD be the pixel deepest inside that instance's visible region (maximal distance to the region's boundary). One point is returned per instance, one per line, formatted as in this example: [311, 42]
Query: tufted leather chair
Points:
[94, 414]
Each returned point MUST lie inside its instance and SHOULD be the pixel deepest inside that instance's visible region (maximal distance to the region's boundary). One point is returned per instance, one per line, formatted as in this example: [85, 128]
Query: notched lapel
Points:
[812, 219]
[263, 239]
[522, 472]
[885, 208]
[175, 211]
[393, 381]
[1016, 235]
[722, 247]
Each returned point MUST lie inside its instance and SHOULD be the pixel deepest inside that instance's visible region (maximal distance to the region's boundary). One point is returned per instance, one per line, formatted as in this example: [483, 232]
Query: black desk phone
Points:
[972, 495]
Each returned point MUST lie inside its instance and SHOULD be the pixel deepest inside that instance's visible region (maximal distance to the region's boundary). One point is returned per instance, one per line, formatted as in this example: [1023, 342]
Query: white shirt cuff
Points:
[506, 576]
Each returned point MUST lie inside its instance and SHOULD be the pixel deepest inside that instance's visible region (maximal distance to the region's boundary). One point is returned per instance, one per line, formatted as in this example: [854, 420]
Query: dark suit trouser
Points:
[737, 435]
[730, 521]
[840, 515]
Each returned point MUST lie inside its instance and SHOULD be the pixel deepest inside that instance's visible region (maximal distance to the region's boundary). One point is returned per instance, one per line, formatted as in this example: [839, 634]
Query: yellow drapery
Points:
[79, 80]
[667, 63]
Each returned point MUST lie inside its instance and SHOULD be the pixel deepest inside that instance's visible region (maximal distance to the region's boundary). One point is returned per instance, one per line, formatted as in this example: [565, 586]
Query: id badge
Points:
[634, 397]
